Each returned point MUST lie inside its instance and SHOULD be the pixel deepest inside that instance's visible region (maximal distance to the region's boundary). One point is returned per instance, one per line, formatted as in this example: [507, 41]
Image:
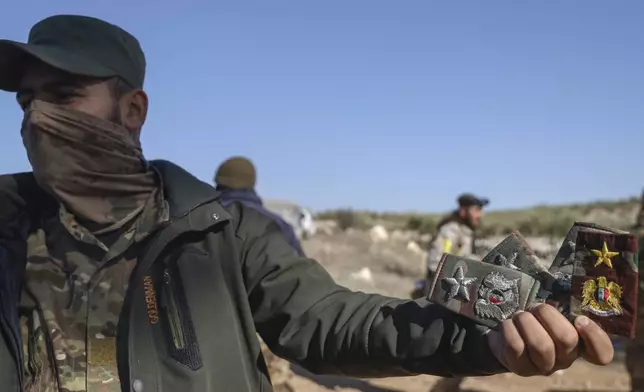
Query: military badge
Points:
[459, 285]
[593, 274]
[604, 280]
[498, 297]
[505, 262]
[601, 297]
[484, 292]
[604, 256]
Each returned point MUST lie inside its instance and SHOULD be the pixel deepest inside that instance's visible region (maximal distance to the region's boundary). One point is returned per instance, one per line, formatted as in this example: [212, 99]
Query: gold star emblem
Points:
[604, 255]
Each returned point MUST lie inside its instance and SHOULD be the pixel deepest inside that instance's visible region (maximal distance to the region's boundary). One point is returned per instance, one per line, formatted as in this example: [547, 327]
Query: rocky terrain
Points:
[388, 262]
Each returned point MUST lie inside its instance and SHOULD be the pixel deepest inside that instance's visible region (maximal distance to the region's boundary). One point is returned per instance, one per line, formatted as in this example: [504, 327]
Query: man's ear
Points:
[134, 110]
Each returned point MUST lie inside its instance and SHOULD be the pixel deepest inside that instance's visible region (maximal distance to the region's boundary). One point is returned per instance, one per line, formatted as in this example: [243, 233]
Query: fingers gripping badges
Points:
[594, 274]
[562, 266]
[604, 282]
[484, 292]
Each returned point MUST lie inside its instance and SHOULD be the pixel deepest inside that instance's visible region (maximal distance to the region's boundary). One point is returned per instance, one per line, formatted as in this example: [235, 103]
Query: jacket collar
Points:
[187, 197]
[243, 195]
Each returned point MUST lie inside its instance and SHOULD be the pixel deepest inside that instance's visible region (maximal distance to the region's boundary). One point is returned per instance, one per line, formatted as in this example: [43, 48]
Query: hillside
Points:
[543, 220]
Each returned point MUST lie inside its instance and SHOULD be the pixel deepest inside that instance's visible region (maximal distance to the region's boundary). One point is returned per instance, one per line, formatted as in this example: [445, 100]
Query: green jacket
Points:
[235, 276]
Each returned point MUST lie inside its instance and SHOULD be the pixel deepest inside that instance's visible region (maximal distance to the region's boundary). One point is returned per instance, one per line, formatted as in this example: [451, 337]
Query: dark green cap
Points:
[469, 200]
[76, 44]
[236, 173]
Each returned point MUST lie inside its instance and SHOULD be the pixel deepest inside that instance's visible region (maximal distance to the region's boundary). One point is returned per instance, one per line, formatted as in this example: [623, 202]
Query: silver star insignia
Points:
[458, 285]
[503, 261]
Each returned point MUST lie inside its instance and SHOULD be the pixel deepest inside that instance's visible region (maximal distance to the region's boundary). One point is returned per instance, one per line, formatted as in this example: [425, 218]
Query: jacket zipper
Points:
[49, 343]
[172, 309]
[31, 345]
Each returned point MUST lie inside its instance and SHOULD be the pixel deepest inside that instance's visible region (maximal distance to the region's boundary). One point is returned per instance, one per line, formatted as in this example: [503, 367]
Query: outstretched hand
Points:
[542, 341]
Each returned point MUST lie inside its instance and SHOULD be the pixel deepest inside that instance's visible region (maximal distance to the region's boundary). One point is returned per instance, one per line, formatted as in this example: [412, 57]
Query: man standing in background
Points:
[455, 234]
[235, 179]
[118, 273]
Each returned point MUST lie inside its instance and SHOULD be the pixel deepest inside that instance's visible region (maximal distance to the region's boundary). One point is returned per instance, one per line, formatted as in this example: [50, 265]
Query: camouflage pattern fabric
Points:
[483, 292]
[635, 349]
[604, 281]
[453, 237]
[76, 285]
[562, 266]
[512, 278]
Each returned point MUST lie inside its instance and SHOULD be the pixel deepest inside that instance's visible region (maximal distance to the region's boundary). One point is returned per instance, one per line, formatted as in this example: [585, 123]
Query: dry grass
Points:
[543, 220]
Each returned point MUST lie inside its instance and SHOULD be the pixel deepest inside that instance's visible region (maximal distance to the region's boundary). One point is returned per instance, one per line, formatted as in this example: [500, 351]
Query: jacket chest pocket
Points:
[176, 319]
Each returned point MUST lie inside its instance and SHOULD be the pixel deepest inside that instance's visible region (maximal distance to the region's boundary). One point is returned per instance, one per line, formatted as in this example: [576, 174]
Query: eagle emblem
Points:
[601, 297]
[498, 297]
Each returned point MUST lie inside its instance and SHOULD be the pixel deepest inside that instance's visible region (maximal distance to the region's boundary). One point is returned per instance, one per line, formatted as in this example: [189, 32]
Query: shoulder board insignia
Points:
[604, 281]
[484, 292]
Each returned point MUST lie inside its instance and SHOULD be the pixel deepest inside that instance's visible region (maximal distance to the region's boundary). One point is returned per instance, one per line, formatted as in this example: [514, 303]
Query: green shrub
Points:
[348, 219]
[422, 224]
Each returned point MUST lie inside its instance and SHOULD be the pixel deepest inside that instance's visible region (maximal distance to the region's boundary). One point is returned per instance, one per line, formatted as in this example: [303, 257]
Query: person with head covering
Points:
[235, 179]
[122, 274]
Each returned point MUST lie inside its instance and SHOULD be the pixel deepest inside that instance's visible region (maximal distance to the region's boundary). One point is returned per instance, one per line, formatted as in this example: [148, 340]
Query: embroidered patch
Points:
[601, 297]
[151, 300]
[503, 261]
[604, 256]
[604, 281]
[498, 297]
[459, 285]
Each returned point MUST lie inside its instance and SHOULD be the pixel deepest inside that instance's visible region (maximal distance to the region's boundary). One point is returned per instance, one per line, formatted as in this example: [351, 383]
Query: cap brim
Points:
[14, 57]
[483, 202]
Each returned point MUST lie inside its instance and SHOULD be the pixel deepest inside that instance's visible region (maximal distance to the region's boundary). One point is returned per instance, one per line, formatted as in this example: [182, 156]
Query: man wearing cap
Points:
[235, 179]
[455, 232]
[122, 274]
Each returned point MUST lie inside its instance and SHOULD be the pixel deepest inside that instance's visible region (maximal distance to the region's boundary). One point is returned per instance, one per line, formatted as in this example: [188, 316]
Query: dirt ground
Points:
[581, 377]
[355, 261]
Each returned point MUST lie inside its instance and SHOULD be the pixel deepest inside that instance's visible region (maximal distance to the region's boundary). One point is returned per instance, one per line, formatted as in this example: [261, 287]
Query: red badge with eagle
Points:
[604, 282]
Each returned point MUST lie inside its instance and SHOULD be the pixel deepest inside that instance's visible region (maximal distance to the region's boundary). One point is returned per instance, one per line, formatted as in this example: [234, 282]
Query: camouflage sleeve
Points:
[445, 241]
[467, 246]
[305, 317]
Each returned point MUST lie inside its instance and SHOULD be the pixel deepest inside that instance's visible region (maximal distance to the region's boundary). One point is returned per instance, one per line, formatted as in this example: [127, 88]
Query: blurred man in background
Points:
[235, 179]
[455, 234]
[635, 350]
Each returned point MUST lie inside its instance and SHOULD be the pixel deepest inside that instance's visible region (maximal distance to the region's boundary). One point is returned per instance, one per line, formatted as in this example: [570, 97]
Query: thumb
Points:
[597, 346]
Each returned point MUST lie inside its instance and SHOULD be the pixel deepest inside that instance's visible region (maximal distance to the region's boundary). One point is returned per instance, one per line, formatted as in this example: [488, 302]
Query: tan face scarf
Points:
[93, 166]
